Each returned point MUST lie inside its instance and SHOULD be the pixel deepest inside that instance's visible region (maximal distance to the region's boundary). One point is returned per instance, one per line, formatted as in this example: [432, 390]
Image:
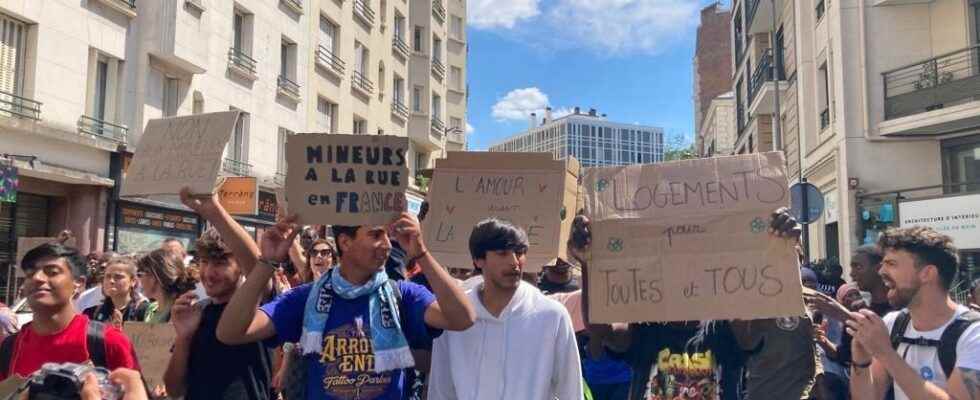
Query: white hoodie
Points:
[529, 353]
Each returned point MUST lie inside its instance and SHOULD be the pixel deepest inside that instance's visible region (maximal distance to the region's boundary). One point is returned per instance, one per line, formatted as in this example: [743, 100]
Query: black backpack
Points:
[945, 346]
[94, 337]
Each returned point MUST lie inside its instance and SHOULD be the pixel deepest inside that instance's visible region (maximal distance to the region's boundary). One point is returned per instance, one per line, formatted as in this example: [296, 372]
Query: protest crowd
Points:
[367, 311]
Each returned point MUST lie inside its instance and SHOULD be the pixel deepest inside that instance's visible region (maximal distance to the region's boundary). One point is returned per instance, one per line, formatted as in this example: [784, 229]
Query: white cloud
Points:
[623, 26]
[487, 14]
[469, 128]
[520, 103]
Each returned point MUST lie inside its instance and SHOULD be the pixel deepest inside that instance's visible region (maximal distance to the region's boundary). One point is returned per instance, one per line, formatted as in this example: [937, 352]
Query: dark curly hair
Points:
[928, 246]
[210, 246]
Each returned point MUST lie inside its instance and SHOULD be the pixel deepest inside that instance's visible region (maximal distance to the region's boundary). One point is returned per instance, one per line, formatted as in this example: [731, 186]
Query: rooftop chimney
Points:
[577, 110]
[591, 112]
[534, 120]
[547, 114]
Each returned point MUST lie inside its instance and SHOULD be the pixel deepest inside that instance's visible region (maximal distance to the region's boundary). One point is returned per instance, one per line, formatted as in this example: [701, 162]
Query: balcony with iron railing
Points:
[12, 105]
[400, 47]
[438, 69]
[439, 11]
[363, 11]
[99, 128]
[438, 127]
[398, 109]
[329, 61]
[936, 83]
[242, 63]
[287, 87]
[236, 167]
[362, 83]
[127, 7]
[295, 5]
[764, 73]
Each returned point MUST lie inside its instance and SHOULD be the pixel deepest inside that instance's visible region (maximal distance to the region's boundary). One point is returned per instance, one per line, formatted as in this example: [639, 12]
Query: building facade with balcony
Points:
[881, 99]
[717, 135]
[900, 127]
[62, 117]
[590, 138]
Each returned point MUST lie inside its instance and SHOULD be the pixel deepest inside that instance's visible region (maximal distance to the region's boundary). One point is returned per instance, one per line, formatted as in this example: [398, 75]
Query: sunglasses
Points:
[321, 253]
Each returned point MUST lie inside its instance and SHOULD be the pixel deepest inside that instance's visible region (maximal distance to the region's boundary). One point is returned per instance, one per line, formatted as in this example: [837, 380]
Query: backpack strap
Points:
[7, 354]
[95, 341]
[951, 336]
[898, 328]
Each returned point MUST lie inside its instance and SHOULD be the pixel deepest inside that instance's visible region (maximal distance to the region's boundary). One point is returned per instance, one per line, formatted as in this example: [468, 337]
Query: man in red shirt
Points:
[58, 333]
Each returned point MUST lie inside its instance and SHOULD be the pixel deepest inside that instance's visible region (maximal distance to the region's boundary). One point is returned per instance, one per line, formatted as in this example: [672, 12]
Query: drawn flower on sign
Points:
[758, 225]
[601, 185]
[615, 245]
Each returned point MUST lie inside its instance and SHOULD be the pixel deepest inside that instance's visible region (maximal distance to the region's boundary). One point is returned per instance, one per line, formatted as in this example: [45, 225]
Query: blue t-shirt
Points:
[345, 369]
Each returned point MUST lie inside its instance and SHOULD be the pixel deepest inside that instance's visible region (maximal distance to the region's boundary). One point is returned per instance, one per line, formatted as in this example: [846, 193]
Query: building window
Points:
[417, 99]
[104, 78]
[281, 150]
[436, 106]
[287, 59]
[823, 95]
[326, 115]
[399, 26]
[361, 58]
[417, 39]
[398, 90]
[421, 161]
[198, 106]
[237, 148]
[436, 48]
[456, 78]
[242, 27]
[13, 38]
[961, 163]
[171, 96]
[456, 27]
[360, 126]
[328, 35]
[381, 77]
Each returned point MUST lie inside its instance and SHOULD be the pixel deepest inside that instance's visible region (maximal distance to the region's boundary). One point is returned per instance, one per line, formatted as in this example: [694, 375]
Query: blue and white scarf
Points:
[390, 347]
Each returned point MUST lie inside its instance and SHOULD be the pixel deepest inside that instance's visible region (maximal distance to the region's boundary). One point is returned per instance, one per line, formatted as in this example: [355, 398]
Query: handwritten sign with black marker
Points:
[179, 151]
[346, 179]
[689, 240]
[531, 190]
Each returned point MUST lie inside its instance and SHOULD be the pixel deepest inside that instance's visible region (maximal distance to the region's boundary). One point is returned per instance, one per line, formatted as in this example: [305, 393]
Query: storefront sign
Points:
[346, 179]
[8, 184]
[956, 216]
[179, 151]
[239, 195]
[267, 206]
[689, 240]
[158, 219]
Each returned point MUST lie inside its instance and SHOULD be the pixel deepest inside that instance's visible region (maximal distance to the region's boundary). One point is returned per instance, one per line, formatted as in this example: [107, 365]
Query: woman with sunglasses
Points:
[164, 278]
[121, 303]
[320, 256]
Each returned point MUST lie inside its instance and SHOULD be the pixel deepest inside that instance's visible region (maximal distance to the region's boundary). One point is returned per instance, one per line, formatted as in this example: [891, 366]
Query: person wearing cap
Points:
[557, 277]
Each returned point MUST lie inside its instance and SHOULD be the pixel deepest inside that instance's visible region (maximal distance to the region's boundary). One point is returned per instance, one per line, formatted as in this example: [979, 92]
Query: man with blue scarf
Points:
[355, 327]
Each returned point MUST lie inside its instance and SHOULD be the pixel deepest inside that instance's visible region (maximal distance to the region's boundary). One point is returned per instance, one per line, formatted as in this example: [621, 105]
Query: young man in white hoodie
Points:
[522, 345]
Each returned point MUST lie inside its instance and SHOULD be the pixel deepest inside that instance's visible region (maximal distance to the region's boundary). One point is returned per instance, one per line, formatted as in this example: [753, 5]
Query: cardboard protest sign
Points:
[152, 343]
[346, 179]
[179, 151]
[531, 190]
[689, 240]
[239, 195]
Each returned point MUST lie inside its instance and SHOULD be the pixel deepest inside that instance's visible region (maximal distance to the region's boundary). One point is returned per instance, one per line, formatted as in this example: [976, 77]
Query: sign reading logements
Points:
[531, 190]
[179, 151]
[239, 195]
[956, 216]
[346, 179]
[689, 240]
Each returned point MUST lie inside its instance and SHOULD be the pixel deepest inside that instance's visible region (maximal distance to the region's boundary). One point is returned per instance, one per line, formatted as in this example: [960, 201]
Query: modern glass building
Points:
[591, 139]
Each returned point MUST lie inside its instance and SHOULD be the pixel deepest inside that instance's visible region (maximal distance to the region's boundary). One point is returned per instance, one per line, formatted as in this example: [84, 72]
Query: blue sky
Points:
[630, 59]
